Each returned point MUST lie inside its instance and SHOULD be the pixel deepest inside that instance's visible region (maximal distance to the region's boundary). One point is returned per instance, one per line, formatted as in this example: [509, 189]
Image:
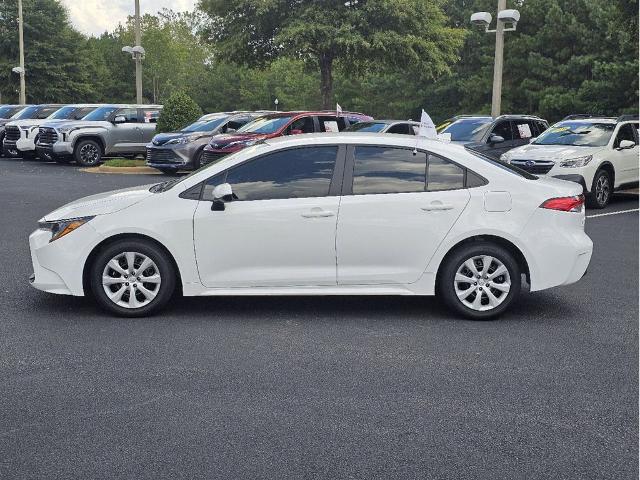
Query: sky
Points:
[94, 17]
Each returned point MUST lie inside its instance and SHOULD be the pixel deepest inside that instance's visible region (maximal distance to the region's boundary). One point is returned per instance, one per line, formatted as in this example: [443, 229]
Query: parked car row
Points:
[82, 133]
[600, 153]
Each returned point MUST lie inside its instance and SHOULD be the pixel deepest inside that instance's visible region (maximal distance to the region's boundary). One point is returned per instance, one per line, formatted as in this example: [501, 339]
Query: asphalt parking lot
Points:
[339, 388]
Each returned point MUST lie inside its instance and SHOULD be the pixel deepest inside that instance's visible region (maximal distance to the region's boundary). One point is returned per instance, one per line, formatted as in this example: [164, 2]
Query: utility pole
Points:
[138, 56]
[23, 94]
[497, 66]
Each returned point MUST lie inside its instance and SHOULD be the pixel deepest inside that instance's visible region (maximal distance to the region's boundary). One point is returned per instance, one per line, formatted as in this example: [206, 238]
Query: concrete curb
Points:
[122, 170]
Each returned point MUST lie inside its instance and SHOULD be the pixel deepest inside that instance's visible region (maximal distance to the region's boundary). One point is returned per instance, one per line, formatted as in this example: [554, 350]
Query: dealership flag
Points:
[427, 127]
[338, 109]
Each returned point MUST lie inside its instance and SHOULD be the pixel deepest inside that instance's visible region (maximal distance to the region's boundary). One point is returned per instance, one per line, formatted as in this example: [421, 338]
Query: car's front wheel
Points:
[601, 190]
[88, 153]
[479, 280]
[132, 278]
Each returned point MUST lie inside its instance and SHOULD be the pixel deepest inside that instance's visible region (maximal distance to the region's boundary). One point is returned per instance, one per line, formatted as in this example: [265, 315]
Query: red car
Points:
[276, 125]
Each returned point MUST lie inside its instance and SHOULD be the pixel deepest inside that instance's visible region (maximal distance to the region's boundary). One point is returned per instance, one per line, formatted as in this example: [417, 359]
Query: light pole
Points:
[20, 69]
[137, 53]
[504, 17]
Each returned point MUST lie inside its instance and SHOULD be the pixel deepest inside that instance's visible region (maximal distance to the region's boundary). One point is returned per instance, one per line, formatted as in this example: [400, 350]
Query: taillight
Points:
[565, 204]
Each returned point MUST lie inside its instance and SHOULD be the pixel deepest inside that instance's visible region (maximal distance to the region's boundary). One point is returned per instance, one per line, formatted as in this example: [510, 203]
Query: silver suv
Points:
[111, 130]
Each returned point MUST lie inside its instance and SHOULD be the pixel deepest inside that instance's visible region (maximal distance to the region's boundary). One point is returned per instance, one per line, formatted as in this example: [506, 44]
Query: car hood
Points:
[79, 124]
[100, 204]
[550, 152]
[162, 138]
[221, 140]
[29, 122]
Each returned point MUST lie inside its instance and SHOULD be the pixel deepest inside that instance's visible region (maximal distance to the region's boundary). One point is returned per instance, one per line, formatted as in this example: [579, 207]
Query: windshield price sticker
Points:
[331, 127]
[525, 130]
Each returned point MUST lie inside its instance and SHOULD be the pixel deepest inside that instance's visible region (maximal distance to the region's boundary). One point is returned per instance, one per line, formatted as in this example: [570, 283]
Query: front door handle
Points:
[318, 212]
[436, 207]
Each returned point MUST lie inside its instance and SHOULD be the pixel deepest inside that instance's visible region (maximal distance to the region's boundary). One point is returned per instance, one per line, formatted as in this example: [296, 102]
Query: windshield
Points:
[265, 125]
[468, 129]
[7, 112]
[366, 127]
[62, 114]
[578, 134]
[27, 112]
[100, 114]
[205, 125]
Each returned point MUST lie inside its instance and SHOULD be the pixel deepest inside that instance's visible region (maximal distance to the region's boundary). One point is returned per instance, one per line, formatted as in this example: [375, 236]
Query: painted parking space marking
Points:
[612, 213]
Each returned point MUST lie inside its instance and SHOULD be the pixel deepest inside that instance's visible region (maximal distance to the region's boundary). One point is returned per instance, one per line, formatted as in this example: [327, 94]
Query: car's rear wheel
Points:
[132, 278]
[480, 280]
[601, 190]
[88, 153]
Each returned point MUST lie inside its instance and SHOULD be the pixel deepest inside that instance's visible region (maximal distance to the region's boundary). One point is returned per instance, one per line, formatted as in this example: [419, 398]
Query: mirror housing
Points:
[493, 138]
[624, 144]
[221, 194]
[296, 131]
[230, 130]
[119, 119]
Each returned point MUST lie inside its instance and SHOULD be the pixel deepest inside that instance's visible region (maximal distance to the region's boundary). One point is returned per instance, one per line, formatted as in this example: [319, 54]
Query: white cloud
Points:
[94, 17]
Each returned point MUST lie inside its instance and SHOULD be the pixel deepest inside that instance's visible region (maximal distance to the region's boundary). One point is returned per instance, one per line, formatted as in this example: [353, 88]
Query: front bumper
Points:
[58, 266]
[26, 145]
[58, 148]
[573, 178]
[172, 156]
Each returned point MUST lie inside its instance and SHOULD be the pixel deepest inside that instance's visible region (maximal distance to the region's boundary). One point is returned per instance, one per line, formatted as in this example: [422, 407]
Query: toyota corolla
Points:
[328, 214]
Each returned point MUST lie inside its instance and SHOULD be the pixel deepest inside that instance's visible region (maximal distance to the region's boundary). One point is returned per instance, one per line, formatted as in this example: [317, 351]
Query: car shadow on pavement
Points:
[537, 307]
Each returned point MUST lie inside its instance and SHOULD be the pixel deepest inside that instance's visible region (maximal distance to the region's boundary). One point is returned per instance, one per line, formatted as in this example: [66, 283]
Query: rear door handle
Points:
[317, 212]
[435, 207]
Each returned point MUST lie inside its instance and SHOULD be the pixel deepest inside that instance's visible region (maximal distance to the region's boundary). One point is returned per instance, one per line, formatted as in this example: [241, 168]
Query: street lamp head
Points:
[18, 70]
[482, 19]
[127, 49]
[138, 49]
[509, 16]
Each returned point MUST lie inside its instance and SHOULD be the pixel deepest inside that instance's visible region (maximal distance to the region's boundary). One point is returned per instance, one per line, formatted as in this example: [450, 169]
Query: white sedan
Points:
[329, 214]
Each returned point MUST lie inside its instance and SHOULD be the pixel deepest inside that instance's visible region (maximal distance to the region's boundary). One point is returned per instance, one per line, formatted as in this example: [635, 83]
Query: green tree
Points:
[179, 111]
[407, 34]
[59, 64]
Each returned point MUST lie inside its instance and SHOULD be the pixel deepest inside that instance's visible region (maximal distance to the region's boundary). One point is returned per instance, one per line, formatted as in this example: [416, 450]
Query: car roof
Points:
[610, 120]
[310, 112]
[389, 122]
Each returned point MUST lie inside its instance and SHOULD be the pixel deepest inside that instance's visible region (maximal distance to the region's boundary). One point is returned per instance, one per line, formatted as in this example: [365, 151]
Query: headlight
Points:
[246, 143]
[180, 141]
[576, 162]
[60, 228]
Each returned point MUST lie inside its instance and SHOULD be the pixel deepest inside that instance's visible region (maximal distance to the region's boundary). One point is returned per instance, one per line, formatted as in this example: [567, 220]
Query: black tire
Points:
[88, 153]
[165, 270]
[197, 159]
[601, 190]
[446, 286]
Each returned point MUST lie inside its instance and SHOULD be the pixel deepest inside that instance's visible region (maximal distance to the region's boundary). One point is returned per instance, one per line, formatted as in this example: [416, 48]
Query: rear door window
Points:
[401, 128]
[443, 175]
[379, 170]
[130, 115]
[330, 123]
[150, 115]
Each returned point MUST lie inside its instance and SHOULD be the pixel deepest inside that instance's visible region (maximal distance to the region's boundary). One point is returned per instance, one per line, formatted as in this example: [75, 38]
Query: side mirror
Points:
[624, 144]
[296, 131]
[221, 194]
[533, 139]
[119, 119]
[230, 130]
[493, 138]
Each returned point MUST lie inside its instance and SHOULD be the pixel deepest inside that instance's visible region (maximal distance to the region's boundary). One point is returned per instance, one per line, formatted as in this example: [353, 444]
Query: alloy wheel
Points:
[602, 190]
[89, 154]
[482, 283]
[131, 280]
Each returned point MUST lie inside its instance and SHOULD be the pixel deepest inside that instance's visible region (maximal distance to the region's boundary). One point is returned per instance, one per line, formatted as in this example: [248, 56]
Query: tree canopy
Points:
[387, 58]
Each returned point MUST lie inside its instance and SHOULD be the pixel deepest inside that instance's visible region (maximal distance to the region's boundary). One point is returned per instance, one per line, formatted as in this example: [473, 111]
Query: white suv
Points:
[599, 153]
[326, 214]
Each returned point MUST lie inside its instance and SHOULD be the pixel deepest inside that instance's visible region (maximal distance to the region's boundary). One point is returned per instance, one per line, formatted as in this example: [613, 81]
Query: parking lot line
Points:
[613, 213]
